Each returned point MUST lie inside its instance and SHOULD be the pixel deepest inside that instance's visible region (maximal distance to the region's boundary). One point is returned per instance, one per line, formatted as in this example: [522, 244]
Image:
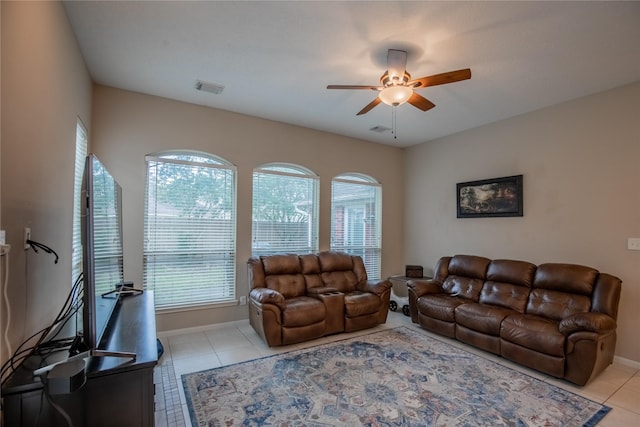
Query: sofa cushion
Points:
[505, 295]
[569, 278]
[360, 303]
[441, 270]
[533, 332]
[311, 271]
[482, 317]
[302, 311]
[343, 281]
[508, 284]
[360, 271]
[335, 261]
[439, 306]
[289, 285]
[309, 264]
[556, 305]
[463, 287]
[518, 273]
[338, 271]
[281, 264]
[469, 266]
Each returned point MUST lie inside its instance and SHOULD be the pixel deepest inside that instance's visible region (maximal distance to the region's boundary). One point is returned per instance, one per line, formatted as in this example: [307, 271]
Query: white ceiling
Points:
[275, 59]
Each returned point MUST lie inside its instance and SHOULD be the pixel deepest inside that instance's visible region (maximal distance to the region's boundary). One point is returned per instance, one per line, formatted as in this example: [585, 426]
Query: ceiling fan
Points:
[397, 87]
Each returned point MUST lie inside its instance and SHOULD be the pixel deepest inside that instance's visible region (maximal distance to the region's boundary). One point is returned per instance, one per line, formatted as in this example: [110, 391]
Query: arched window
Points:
[356, 220]
[190, 229]
[285, 210]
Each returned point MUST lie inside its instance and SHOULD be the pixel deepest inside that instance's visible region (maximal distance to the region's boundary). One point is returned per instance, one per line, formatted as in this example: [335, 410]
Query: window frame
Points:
[227, 247]
[81, 152]
[371, 248]
[261, 234]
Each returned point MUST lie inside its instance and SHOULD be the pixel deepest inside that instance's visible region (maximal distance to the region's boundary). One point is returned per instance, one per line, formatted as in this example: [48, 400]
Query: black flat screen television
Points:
[102, 263]
[102, 249]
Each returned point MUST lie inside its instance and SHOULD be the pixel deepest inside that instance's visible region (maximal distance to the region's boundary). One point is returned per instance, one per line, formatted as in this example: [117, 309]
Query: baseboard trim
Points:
[626, 362]
[201, 328]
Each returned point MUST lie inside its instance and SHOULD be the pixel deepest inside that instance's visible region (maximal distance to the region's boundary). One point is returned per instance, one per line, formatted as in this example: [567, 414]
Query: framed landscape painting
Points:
[497, 197]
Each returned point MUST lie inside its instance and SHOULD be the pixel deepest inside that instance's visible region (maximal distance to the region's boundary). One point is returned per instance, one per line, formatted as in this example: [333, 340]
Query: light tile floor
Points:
[224, 344]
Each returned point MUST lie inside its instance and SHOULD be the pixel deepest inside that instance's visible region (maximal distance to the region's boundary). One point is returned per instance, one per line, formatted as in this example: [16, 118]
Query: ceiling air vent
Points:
[380, 129]
[209, 87]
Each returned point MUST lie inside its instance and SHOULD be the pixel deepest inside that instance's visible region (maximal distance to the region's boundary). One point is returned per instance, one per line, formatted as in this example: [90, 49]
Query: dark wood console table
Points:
[117, 392]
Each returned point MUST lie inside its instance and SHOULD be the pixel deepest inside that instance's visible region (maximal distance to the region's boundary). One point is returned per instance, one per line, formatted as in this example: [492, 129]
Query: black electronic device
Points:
[102, 251]
[102, 264]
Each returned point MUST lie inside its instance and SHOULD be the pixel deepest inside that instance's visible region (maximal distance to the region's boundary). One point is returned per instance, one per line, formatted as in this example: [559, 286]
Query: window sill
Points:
[192, 307]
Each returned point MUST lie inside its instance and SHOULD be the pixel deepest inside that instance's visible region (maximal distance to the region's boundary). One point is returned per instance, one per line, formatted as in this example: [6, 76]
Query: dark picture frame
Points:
[496, 197]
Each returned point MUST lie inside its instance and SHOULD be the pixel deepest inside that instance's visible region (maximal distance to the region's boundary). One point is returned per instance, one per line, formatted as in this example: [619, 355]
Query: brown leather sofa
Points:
[559, 319]
[297, 298]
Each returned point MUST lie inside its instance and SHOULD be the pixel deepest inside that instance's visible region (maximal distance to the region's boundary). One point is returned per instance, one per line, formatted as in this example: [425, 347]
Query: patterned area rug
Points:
[397, 377]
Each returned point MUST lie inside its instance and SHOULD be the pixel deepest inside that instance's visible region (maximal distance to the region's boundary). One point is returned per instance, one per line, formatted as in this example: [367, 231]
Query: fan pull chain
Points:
[393, 122]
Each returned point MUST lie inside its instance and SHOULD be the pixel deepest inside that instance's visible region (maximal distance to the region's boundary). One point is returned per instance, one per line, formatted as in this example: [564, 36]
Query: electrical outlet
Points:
[633, 244]
[27, 236]
[243, 300]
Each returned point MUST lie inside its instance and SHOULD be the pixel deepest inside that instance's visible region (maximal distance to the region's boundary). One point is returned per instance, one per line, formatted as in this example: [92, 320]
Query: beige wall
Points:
[581, 195]
[45, 88]
[128, 125]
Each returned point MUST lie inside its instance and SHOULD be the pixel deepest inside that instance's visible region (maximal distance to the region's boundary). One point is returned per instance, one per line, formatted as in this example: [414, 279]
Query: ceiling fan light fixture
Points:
[395, 95]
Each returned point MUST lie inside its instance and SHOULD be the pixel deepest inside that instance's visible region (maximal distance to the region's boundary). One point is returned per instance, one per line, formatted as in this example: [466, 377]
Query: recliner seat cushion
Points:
[360, 303]
[533, 332]
[303, 311]
[482, 317]
[440, 306]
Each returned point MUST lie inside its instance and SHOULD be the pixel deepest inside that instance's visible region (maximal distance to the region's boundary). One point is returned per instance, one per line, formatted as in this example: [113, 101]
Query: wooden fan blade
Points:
[420, 102]
[369, 106]
[441, 79]
[396, 64]
[354, 87]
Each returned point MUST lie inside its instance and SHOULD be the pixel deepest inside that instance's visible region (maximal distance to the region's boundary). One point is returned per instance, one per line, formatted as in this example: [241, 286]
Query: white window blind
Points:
[285, 210]
[76, 239]
[356, 222]
[190, 229]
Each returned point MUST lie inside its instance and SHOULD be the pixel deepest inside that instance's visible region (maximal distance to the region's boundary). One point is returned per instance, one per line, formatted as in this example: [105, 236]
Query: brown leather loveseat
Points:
[559, 319]
[297, 298]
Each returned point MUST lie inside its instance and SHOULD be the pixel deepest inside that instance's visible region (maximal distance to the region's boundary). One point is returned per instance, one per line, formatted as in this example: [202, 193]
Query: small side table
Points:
[399, 294]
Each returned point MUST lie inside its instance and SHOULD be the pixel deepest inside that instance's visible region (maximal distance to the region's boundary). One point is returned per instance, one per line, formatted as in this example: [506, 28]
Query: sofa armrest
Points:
[321, 290]
[378, 287]
[422, 287]
[593, 322]
[267, 296]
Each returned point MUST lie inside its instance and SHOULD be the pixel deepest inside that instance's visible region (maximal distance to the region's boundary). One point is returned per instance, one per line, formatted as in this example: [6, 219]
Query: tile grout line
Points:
[169, 387]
